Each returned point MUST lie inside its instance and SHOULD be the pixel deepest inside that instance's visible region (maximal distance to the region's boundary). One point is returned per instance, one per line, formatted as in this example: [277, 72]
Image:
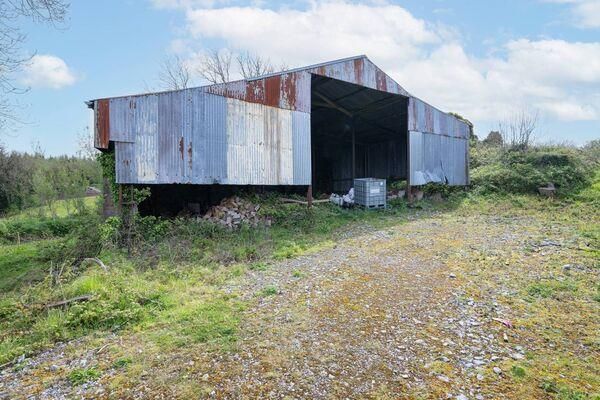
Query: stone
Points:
[497, 370]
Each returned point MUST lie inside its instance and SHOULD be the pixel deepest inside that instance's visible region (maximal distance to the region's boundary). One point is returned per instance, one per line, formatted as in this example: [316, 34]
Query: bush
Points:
[513, 171]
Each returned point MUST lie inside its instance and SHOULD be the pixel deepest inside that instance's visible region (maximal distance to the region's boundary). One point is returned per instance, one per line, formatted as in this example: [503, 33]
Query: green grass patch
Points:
[122, 363]
[551, 289]
[82, 375]
[20, 264]
[213, 321]
[518, 371]
[269, 291]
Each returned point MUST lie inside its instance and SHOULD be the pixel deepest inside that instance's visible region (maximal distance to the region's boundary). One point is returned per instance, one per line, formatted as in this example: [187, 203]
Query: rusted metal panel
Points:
[196, 137]
[102, 124]
[291, 90]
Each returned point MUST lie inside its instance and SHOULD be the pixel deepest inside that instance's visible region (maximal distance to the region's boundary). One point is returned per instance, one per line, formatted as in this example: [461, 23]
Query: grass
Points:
[82, 375]
[169, 297]
[269, 291]
[20, 264]
[62, 208]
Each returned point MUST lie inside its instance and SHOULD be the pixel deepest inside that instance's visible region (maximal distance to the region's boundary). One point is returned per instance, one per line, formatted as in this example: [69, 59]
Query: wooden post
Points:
[409, 194]
[309, 196]
[121, 200]
[353, 153]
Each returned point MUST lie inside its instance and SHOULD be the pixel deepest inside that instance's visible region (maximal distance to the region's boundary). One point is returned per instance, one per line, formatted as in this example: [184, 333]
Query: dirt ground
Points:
[438, 307]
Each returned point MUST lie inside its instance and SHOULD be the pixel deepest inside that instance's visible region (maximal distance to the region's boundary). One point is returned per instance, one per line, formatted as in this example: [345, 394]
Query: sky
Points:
[486, 60]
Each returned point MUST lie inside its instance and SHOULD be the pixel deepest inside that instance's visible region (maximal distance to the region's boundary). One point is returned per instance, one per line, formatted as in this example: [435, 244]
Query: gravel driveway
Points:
[385, 314]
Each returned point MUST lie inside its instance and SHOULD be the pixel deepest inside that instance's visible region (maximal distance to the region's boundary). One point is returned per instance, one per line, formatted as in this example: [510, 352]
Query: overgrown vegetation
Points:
[165, 273]
[496, 169]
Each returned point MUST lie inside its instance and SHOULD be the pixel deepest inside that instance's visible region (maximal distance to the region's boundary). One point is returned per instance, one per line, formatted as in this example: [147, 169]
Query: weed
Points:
[122, 363]
[552, 289]
[82, 375]
[297, 273]
[258, 266]
[211, 322]
[269, 291]
[517, 371]
[288, 250]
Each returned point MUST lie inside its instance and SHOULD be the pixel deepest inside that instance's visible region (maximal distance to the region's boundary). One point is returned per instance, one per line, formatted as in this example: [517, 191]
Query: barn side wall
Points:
[195, 137]
[439, 146]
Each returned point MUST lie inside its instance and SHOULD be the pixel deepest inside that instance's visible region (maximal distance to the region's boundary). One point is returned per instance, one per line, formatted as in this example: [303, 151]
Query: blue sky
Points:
[484, 59]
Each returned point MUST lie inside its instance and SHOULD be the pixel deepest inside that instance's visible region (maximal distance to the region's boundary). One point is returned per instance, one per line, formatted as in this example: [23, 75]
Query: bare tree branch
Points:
[175, 74]
[251, 65]
[11, 40]
[215, 66]
[518, 130]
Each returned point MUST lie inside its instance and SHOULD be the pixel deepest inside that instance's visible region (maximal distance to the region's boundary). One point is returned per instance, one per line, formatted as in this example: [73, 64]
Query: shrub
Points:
[511, 171]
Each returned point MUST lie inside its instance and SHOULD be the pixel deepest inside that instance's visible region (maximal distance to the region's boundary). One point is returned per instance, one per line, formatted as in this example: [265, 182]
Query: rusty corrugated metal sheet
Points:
[291, 90]
[102, 124]
[196, 137]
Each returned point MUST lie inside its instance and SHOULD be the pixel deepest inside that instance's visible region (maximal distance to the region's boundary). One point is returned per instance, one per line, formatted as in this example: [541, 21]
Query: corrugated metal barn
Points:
[318, 126]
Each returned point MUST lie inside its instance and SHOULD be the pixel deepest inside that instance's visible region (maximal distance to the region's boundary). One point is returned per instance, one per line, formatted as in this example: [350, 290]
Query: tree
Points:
[215, 66]
[494, 138]
[251, 65]
[174, 74]
[11, 40]
[518, 130]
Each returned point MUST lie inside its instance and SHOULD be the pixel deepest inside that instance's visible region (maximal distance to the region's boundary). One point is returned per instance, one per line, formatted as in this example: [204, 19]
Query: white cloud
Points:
[325, 30]
[48, 71]
[560, 78]
[585, 12]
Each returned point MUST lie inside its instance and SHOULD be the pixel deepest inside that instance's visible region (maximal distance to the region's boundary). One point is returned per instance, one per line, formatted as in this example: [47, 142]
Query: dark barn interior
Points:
[356, 132]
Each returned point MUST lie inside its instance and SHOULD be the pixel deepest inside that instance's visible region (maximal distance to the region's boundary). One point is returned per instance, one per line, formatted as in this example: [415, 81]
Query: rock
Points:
[480, 377]
[461, 397]
[443, 378]
[497, 370]
[517, 356]
[452, 276]
[233, 211]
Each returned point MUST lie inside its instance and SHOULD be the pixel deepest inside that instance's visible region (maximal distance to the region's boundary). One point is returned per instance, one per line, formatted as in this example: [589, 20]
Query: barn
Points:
[314, 129]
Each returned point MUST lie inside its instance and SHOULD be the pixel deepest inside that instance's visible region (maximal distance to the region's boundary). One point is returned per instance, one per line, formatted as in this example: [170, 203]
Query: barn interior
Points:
[356, 132]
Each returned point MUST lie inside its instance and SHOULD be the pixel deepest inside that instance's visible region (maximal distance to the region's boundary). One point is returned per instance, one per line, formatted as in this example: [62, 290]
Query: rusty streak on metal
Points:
[359, 71]
[102, 137]
[272, 91]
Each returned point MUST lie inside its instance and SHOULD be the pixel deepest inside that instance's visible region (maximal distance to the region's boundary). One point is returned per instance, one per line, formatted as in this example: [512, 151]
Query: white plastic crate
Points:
[370, 192]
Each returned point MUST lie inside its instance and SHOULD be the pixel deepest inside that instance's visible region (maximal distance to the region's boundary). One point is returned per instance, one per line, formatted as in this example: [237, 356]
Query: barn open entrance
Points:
[356, 132]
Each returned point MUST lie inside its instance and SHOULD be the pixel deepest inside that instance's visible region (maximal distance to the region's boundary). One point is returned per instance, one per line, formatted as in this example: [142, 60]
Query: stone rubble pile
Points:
[234, 211]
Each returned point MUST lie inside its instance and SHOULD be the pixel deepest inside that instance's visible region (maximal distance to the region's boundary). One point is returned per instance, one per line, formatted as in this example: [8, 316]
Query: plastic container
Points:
[370, 192]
